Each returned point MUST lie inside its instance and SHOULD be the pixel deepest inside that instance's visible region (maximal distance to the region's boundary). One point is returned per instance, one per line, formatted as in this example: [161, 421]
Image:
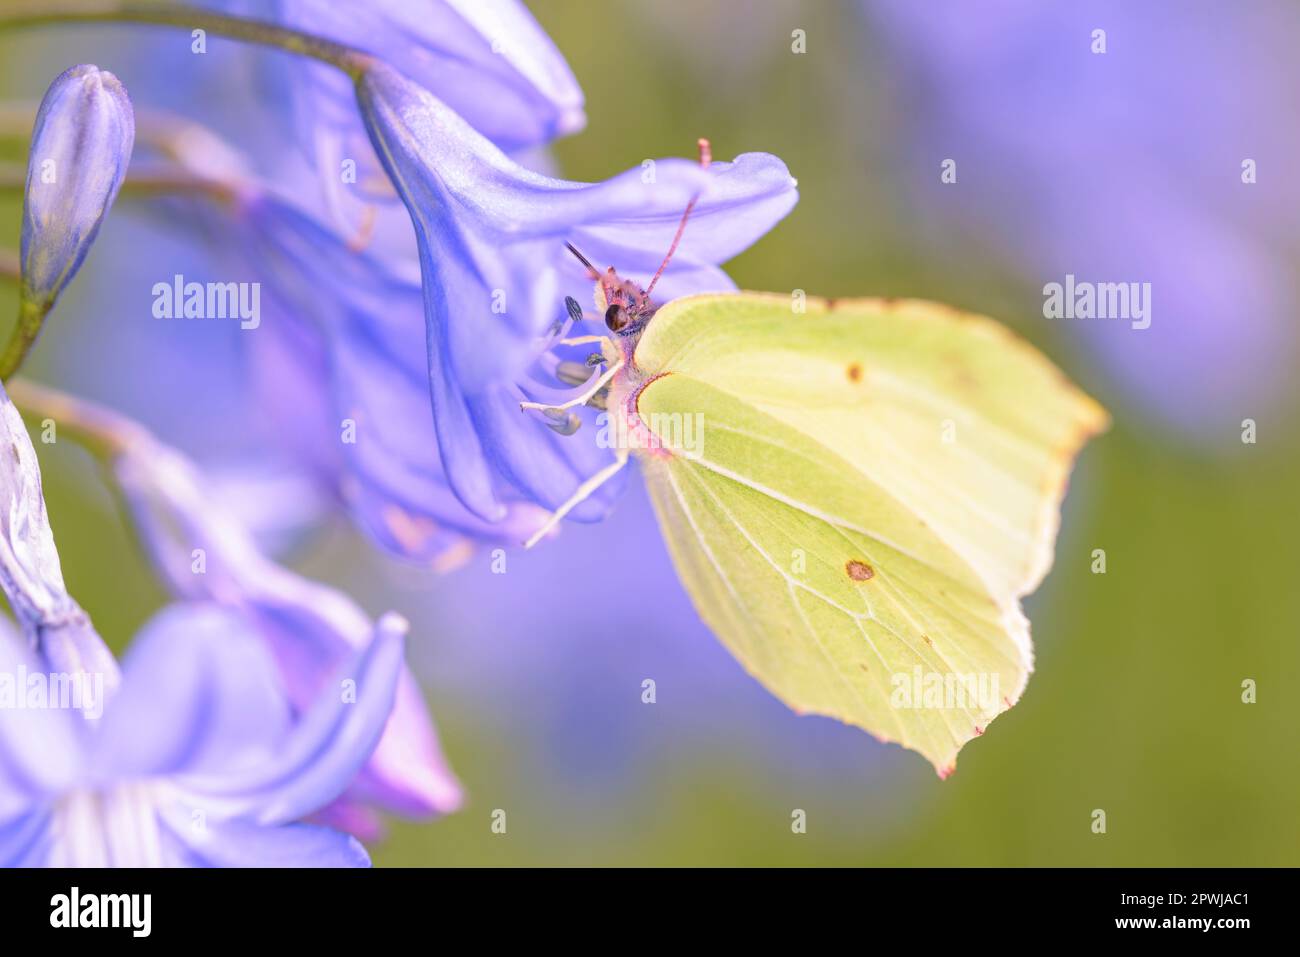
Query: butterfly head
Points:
[626, 306]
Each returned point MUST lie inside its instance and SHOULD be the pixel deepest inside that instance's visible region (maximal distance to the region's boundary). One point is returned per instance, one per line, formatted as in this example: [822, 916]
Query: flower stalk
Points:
[31, 316]
[34, 13]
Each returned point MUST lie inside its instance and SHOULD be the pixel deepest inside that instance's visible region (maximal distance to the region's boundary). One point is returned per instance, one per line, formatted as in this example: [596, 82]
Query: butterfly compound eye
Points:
[616, 318]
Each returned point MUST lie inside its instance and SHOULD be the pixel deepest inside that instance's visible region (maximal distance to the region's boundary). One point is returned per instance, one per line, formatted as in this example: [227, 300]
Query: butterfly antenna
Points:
[706, 157]
[591, 270]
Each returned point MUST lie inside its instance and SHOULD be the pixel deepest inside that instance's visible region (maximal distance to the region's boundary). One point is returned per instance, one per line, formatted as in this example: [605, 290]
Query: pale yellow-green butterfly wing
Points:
[868, 489]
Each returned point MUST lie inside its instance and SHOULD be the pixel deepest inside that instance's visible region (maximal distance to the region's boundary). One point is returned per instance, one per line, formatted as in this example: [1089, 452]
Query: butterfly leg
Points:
[598, 383]
[582, 340]
[584, 491]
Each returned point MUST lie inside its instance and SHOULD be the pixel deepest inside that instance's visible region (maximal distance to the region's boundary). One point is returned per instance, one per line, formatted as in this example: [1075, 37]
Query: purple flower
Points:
[495, 271]
[197, 760]
[80, 149]
[336, 373]
[341, 362]
[347, 327]
[489, 60]
[197, 757]
[205, 553]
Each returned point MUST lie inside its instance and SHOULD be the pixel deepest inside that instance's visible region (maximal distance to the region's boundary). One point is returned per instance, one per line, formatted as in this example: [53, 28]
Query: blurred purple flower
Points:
[196, 761]
[1124, 166]
[198, 757]
[80, 148]
[205, 553]
[491, 239]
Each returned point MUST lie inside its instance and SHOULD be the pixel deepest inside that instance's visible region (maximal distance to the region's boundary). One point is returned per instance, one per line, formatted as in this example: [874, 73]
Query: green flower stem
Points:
[31, 315]
[145, 183]
[30, 13]
[107, 435]
[101, 431]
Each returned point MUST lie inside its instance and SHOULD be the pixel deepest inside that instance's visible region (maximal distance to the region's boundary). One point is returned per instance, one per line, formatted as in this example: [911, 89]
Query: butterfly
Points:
[856, 493]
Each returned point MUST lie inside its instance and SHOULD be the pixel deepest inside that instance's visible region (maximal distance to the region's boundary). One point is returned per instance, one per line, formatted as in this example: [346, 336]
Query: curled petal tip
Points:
[394, 625]
[571, 120]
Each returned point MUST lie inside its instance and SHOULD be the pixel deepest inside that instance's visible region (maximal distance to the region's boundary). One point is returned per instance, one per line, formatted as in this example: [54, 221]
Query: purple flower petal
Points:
[407, 772]
[199, 694]
[308, 627]
[488, 59]
[243, 844]
[26, 838]
[40, 747]
[326, 747]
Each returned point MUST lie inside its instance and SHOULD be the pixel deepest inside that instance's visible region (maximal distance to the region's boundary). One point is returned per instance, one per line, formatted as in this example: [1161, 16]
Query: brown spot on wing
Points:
[858, 571]
[854, 372]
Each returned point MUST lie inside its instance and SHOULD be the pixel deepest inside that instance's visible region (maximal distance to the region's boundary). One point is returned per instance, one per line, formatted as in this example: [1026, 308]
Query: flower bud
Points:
[81, 146]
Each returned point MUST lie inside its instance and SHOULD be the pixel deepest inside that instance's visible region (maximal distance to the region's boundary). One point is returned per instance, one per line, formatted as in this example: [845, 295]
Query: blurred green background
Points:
[1135, 707]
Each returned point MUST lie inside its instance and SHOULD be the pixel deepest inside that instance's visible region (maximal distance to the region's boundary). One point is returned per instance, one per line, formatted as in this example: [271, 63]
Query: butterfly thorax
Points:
[630, 428]
[628, 313]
